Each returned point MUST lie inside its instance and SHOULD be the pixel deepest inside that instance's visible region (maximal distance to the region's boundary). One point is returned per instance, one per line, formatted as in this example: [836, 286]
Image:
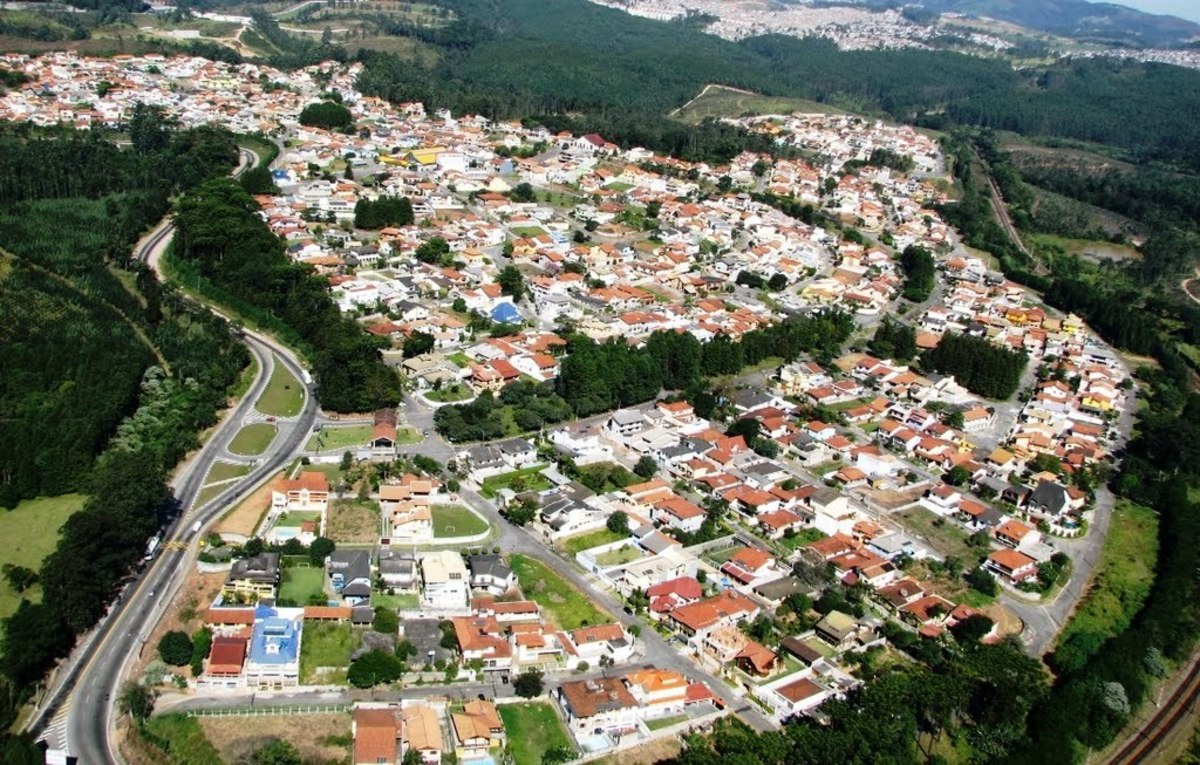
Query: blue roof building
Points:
[505, 313]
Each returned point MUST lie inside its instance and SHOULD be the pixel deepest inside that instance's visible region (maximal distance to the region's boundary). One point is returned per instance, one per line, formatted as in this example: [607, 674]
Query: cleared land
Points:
[30, 533]
[591, 539]
[253, 439]
[719, 101]
[185, 741]
[944, 536]
[533, 729]
[245, 517]
[284, 395]
[566, 606]
[329, 439]
[1122, 580]
[325, 652]
[300, 583]
[353, 521]
[319, 738]
[456, 521]
[526, 479]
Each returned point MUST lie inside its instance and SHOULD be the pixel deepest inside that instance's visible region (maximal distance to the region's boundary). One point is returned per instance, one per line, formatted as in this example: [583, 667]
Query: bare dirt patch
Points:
[1007, 622]
[244, 518]
[319, 738]
[353, 521]
[654, 751]
[184, 614]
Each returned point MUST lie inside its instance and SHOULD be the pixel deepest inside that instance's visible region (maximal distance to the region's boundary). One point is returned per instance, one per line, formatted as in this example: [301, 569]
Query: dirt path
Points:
[704, 92]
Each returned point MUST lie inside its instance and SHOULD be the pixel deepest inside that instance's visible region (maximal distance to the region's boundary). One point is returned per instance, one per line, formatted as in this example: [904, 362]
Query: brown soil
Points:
[353, 522]
[1008, 622]
[244, 518]
[319, 738]
[654, 751]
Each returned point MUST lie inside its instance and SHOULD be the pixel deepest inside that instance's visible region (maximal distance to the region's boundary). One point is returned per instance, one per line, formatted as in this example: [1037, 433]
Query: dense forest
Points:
[979, 365]
[108, 376]
[222, 240]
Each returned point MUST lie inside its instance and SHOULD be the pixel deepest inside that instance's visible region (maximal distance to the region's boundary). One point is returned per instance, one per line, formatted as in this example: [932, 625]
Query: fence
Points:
[268, 711]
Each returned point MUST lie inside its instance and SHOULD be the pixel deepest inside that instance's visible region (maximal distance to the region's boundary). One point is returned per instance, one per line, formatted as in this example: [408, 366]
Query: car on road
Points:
[271, 418]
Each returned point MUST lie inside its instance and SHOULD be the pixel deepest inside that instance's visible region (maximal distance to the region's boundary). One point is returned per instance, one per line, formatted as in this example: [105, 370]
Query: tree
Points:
[19, 577]
[347, 461]
[618, 523]
[326, 114]
[760, 168]
[432, 250]
[511, 282]
[522, 192]
[277, 752]
[253, 546]
[558, 755]
[175, 648]
[957, 476]
[319, 550]
[983, 582]
[529, 684]
[522, 511]
[777, 282]
[385, 621]
[374, 668]
[258, 180]
[418, 343]
[137, 701]
[201, 645]
[646, 467]
[412, 757]
[972, 629]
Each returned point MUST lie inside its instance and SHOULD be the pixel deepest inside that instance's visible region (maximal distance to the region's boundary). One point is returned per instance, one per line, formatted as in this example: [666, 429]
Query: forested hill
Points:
[526, 57]
[79, 324]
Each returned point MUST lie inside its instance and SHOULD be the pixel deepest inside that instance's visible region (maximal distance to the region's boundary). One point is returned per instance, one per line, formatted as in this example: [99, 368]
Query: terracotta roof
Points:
[587, 698]
[375, 735]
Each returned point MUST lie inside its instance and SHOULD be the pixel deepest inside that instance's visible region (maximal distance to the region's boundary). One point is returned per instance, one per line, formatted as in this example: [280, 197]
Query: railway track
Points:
[1179, 709]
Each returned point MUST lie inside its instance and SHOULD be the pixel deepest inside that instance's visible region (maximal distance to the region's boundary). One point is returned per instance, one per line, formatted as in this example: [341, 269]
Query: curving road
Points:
[78, 714]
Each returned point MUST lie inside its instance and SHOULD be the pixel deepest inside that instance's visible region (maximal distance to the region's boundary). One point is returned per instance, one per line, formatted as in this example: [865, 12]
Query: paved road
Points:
[83, 704]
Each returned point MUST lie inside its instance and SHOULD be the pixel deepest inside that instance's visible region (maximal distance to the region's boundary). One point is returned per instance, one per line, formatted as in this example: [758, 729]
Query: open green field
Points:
[329, 439]
[1122, 579]
[456, 521]
[527, 479]
[448, 394]
[30, 533]
[224, 471]
[326, 644]
[528, 231]
[946, 537]
[718, 101]
[185, 740]
[533, 729]
[283, 396]
[253, 439]
[573, 545]
[619, 556]
[566, 606]
[299, 583]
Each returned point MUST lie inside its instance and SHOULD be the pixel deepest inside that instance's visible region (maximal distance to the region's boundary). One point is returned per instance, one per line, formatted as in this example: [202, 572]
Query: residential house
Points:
[696, 620]
[421, 732]
[376, 734]
[477, 730]
[350, 575]
[384, 434]
[602, 705]
[445, 581]
[1011, 565]
[490, 572]
[308, 491]
[252, 578]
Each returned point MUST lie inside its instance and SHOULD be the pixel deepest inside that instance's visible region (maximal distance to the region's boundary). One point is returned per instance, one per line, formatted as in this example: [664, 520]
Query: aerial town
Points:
[638, 573]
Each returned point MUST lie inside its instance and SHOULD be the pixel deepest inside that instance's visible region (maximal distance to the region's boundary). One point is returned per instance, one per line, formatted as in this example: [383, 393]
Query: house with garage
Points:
[602, 705]
[350, 576]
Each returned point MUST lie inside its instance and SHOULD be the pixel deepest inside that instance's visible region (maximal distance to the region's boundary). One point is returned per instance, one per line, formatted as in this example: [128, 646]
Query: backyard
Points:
[587, 541]
[253, 439]
[283, 395]
[566, 606]
[325, 649]
[533, 729]
[398, 602]
[299, 583]
[297, 517]
[30, 533]
[456, 521]
[330, 439]
[619, 556]
[526, 479]
[353, 521]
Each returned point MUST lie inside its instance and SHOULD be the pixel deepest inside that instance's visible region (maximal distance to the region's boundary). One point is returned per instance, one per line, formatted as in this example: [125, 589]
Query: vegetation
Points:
[533, 728]
[221, 237]
[326, 114]
[175, 648]
[919, 275]
[253, 439]
[456, 521]
[563, 604]
[181, 740]
[325, 644]
[375, 668]
[284, 394]
[383, 212]
[894, 340]
[30, 531]
[980, 366]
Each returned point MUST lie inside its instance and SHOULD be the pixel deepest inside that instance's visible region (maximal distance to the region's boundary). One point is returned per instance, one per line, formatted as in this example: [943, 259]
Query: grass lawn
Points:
[224, 471]
[186, 742]
[456, 521]
[944, 536]
[328, 439]
[665, 722]
[408, 436]
[298, 517]
[528, 231]
[253, 439]
[459, 359]
[717, 557]
[448, 394]
[395, 602]
[1122, 579]
[300, 583]
[353, 521]
[533, 729]
[589, 540]
[618, 557]
[565, 605]
[801, 538]
[326, 644]
[283, 396]
[618, 186]
[531, 480]
[30, 533]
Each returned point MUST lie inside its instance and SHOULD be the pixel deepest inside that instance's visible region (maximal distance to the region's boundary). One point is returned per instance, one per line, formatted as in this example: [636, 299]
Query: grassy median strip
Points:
[283, 396]
[253, 439]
